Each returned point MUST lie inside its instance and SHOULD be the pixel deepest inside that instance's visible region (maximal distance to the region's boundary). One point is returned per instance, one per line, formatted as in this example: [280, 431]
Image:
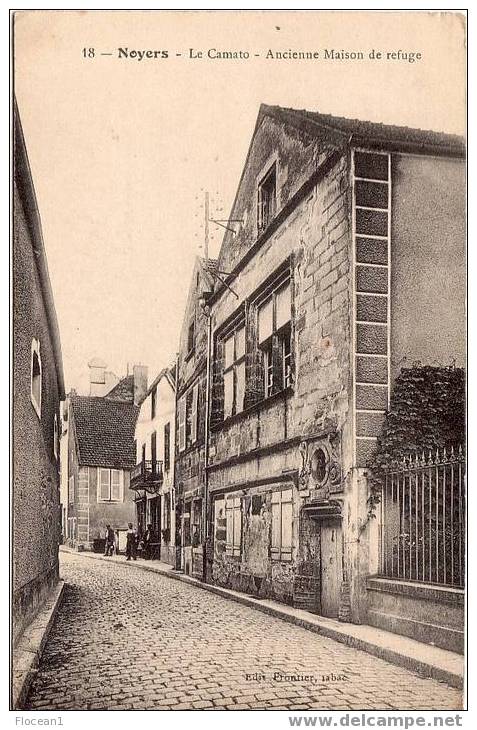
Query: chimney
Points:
[140, 382]
[97, 368]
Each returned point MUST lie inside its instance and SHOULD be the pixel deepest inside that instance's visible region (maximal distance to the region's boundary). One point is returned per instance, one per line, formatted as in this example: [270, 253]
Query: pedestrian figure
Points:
[131, 542]
[109, 541]
[148, 539]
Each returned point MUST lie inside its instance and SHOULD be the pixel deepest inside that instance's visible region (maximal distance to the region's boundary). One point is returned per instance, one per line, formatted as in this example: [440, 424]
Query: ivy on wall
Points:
[427, 411]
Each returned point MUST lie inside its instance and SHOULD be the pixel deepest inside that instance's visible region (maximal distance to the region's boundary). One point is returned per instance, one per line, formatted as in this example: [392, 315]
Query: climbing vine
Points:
[427, 411]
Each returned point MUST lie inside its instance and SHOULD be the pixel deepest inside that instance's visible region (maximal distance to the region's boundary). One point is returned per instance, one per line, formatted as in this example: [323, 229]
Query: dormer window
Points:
[36, 376]
[267, 199]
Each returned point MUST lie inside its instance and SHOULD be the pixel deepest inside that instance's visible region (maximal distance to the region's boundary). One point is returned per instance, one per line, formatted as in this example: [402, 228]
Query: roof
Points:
[122, 391]
[27, 193]
[170, 377]
[104, 431]
[371, 134]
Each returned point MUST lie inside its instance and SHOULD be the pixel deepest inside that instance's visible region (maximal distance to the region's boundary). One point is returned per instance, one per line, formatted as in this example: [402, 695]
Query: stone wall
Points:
[252, 449]
[35, 508]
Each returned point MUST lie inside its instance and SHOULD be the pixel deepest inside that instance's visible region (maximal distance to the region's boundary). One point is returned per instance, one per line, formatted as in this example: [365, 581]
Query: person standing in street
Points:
[109, 541]
[131, 542]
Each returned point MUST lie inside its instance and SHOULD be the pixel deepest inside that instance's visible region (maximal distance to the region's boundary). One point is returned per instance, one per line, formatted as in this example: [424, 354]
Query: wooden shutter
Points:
[286, 524]
[277, 364]
[182, 423]
[167, 446]
[116, 485]
[229, 530]
[193, 423]
[282, 524]
[276, 526]
[239, 386]
[104, 484]
[283, 306]
[237, 534]
[259, 208]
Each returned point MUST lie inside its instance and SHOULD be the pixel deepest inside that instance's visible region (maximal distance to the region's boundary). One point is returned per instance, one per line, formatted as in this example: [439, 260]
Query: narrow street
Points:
[129, 639]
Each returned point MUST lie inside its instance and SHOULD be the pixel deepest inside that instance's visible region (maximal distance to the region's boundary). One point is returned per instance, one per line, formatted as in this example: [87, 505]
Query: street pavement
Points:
[128, 639]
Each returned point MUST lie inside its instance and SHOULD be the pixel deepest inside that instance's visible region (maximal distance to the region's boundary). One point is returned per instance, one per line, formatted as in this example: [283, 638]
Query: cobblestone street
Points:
[129, 639]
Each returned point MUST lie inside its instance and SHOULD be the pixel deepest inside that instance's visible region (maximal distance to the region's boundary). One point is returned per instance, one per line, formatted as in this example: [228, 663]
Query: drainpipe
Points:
[176, 486]
[205, 508]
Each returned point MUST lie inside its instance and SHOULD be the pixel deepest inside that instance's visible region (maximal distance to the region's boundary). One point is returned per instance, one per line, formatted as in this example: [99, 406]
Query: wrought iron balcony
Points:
[147, 475]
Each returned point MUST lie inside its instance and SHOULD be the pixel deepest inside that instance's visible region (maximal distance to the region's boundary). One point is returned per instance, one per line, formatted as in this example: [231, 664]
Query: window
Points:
[110, 485]
[274, 338]
[196, 536]
[36, 376]
[167, 511]
[282, 520]
[153, 403]
[153, 447]
[191, 337]
[167, 447]
[266, 204]
[233, 515]
[234, 372]
[182, 423]
[186, 524]
[188, 413]
[71, 490]
[193, 414]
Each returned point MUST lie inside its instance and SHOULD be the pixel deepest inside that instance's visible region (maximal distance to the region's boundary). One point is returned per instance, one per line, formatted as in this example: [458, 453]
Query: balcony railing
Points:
[147, 475]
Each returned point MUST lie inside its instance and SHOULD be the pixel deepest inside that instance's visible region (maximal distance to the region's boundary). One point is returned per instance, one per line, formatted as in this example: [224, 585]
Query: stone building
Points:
[38, 388]
[190, 439]
[153, 476]
[101, 454]
[348, 264]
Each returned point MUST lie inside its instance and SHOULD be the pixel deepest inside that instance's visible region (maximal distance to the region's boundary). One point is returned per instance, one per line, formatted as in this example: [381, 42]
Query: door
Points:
[331, 567]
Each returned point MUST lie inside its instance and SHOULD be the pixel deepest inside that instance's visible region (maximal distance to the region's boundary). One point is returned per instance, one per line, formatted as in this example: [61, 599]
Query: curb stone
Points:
[31, 644]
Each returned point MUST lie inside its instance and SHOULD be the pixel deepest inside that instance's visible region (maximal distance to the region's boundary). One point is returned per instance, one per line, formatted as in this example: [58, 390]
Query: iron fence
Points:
[423, 519]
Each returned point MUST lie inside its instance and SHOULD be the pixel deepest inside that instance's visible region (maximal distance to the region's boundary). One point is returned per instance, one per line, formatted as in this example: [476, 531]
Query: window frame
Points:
[99, 499]
[237, 361]
[263, 221]
[35, 353]
[283, 332]
[71, 489]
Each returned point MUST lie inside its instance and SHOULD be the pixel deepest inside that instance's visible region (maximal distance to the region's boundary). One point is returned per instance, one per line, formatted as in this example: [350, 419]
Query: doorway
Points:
[331, 567]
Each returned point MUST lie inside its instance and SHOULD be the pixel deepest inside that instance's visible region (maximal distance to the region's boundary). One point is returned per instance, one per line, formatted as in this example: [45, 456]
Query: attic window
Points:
[267, 199]
[36, 376]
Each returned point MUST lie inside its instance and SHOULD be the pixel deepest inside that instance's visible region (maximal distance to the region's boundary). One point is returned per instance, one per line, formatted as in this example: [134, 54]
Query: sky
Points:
[122, 150]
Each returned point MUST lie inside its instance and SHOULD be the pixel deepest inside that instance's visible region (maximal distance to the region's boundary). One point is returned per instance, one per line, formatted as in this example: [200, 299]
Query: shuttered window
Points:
[282, 524]
[182, 423]
[110, 485]
[233, 514]
[167, 446]
[234, 370]
[115, 485]
[193, 422]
